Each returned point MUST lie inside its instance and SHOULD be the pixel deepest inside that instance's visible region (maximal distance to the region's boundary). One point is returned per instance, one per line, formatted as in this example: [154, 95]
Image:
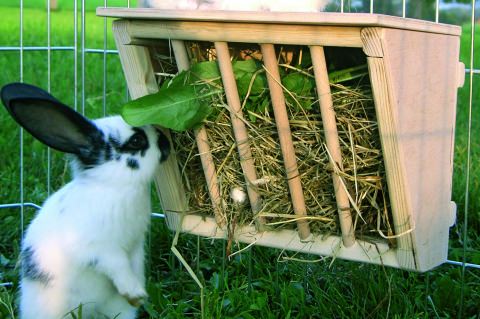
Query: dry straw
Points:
[363, 170]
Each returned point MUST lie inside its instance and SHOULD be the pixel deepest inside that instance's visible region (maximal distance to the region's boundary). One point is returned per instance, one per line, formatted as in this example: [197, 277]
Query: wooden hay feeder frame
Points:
[414, 73]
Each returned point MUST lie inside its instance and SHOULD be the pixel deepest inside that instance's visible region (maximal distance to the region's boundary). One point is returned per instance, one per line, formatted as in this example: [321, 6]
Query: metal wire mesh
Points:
[81, 51]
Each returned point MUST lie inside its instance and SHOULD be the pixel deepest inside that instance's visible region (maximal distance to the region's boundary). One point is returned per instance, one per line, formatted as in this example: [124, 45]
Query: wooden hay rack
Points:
[414, 73]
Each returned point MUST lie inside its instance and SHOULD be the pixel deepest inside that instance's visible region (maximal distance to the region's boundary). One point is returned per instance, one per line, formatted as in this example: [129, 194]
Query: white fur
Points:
[89, 238]
[239, 5]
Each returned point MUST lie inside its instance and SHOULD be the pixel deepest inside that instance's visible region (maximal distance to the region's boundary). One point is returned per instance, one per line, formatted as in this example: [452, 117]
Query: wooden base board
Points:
[369, 252]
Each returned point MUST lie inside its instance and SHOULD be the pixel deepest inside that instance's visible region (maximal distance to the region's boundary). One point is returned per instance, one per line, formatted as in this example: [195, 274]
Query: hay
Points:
[363, 170]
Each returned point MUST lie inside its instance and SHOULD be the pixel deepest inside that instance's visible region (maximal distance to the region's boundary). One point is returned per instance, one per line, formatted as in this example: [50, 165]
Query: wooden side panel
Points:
[421, 74]
[140, 79]
[423, 69]
[136, 63]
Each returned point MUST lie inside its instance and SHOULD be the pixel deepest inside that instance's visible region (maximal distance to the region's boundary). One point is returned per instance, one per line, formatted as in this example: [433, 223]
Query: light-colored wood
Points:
[333, 144]
[363, 251]
[231, 32]
[285, 138]
[415, 97]
[400, 203]
[414, 78]
[239, 128]
[136, 63]
[201, 138]
[141, 81]
[296, 18]
[372, 44]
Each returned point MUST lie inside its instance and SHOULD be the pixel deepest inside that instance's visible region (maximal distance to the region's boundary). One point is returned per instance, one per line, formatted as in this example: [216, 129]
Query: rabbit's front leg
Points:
[116, 265]
[138, 262]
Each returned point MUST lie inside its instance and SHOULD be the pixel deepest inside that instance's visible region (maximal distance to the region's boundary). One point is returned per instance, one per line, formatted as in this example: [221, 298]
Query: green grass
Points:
[253, 284]
[90, 5]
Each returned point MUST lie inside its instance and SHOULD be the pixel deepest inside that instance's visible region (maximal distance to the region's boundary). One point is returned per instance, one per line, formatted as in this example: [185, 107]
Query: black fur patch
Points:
[30, 268]
[132, 163]
[98, 152]
[114, 142]
[137, 143]
[93, 263]
[163, 145]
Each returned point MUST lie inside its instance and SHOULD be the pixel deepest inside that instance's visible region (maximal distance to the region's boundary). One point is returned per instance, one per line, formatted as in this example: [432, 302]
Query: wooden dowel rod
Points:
[201, 138]
[238, 125]
[332, 141]
[285, 137]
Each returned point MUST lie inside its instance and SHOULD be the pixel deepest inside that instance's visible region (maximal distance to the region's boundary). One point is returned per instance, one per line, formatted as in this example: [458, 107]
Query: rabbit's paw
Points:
[135, 294]
[136, 301]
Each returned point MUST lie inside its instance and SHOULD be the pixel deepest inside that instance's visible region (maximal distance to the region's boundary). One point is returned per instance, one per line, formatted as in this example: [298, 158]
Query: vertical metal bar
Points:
[49, 88]
[239, 128]
[341, 5]
[22, 195]
[75, 54]
[127, 94]
[404, 8]
[437, 11]
[469, 152]
[83, 55]
[104, 106]
[371, 6]
[285, 137]
[49, 46]
[332, 141]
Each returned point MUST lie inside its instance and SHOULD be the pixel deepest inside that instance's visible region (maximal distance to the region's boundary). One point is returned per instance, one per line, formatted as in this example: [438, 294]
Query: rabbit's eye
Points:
[137, 142]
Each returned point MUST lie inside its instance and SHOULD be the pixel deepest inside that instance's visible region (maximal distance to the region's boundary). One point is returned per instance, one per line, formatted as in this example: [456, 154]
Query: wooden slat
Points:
[244, 32]
[362, 251]
[285, 137]
[201, 138]
[297, 18]
[140, 78]
[332, 141]
[136, 63]
[239, 127]
[394, 166]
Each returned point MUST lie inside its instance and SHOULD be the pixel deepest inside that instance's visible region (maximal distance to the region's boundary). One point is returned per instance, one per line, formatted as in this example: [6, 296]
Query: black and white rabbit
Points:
[86, 245]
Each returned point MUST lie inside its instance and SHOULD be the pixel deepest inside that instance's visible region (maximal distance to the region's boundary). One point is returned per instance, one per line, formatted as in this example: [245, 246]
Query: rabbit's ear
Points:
[49, 120]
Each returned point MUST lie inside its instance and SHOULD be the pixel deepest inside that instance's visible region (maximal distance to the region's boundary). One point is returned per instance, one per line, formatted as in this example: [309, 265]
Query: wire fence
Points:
[81, 51]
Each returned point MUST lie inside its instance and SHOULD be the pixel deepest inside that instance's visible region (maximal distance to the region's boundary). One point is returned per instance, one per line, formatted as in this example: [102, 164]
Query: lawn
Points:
[254, 284]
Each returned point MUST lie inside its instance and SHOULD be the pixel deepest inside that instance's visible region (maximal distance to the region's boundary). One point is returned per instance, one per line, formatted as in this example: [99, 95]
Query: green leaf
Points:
[178, 108]
[179, 80]
[205, 71]
[298, 83]
[348, 74]
[244, 71]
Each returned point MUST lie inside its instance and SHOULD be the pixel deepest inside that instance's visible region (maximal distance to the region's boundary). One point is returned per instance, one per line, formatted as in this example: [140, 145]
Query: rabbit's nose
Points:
[163, 145]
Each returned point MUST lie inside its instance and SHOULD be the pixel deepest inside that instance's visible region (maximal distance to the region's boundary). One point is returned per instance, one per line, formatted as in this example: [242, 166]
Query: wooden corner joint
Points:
[372, 41]
[120, 30]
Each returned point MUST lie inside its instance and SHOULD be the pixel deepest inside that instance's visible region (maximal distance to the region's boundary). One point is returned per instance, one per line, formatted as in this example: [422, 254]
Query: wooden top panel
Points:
[320, 18]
